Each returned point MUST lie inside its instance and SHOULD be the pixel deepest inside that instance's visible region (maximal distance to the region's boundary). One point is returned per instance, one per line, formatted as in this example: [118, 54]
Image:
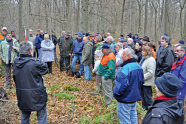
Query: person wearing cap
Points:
[127, 89]
[145, 40]
[107, 71]
[9, 49]
[166, 109]
[136, 38]
[66, 47]
[125, 43]
[3, 33]
[87, 58]
[165, 58]
[179, 69]
[181, 42]
[77, 51]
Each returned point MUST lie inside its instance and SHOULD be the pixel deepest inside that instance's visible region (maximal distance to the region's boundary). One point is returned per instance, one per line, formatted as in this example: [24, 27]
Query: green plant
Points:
[54, 87]
[69, 88]
[66, 96]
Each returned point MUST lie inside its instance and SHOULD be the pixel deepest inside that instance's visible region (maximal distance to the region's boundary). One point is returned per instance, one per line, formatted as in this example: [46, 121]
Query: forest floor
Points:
[69, 102]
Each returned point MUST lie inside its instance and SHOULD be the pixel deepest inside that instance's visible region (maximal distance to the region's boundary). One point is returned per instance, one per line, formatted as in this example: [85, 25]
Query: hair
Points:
[25, 47]
[129, 51]
[148, 50]
[119, 44]
[166, 38]
[152, 45]
[111, 38]
[140, 43]
[183, 47]
[46, 36]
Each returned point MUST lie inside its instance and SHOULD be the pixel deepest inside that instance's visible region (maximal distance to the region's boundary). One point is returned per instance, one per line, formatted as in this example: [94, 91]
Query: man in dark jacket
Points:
[54, 40]
[77, 51]
[166, 108]
[165, 58]
[38, 40]
[30, 90]
[66, 47]
[87, 57]
[127, 89]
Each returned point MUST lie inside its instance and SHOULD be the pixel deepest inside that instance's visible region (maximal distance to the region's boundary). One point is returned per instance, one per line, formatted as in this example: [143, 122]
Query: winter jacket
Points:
[53, 38]
[149, 67]
[164, 60]
[78, 47]
[128, 83]
[119, 60]
[180, 72]
[30, 90]
[87, 53]
[47, 51]
[66, 47]
[38, 40]
[4, 49]
[107, 66]
[2, 37]
[138, 54]
[96, 66]
[165, 112]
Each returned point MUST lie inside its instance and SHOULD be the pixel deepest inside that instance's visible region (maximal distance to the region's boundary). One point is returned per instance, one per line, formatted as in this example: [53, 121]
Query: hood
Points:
[172, 107]
[21, 61]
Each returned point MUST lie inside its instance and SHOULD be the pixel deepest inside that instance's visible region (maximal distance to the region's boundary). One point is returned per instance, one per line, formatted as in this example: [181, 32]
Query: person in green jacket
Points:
[8, 52]
[107, 71]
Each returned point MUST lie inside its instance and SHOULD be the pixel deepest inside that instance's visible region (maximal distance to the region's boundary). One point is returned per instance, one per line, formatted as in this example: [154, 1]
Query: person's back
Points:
[30, 90]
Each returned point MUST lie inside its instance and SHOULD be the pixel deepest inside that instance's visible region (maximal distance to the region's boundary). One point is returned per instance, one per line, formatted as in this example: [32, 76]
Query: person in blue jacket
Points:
[77, 51]
[38, 40]
[127, 89]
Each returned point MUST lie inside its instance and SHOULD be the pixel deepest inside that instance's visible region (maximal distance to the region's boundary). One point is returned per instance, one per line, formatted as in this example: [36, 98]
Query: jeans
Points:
[55, 56]
[182, 105]
[87, 72]
[39, 53]
[41, 116]
[74, 63]
[146, 93]
[127, 113]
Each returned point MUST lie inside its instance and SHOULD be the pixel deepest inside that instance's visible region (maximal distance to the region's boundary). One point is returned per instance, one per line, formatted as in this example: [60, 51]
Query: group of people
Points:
[132, 64]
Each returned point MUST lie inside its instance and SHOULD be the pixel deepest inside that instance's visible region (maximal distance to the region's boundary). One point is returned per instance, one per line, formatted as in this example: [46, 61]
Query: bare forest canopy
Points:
[147, 17]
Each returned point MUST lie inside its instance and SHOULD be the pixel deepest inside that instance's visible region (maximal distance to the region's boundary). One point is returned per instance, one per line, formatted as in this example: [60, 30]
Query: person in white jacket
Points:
[98, 56]
[119, 54]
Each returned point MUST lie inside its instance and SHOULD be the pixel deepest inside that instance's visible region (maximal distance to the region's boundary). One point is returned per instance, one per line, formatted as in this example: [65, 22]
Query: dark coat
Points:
[139, 54]
[38, 40]
[87, 53]
[65, 46]
[165, 112]
[30, 90]
[164, 60]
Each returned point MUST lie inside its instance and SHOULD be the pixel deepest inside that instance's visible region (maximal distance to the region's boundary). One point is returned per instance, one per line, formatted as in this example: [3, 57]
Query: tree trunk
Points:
[185, 26]
[146, 16]
[166, 28]
[21, 27]
[122, 15]
[84, 15]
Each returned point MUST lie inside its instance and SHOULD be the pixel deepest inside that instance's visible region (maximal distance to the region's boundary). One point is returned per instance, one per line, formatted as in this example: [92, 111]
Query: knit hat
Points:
[168, 84]
[181, 42]
[105, 46]
[80, 34]
[4, 28]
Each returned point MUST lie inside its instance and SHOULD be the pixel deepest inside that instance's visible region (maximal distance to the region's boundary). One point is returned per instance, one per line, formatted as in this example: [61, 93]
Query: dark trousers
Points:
[64, 63]
[49, 67]
[8, 75]
[146, 93]
[41, 116]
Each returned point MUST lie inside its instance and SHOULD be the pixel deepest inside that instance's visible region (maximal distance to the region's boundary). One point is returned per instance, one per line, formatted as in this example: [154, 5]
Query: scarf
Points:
[178, 63]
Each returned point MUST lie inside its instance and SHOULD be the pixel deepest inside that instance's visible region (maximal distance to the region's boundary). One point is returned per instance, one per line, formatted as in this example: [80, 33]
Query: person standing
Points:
[30, 90]
[9, 49]
[38, 40]
[3, 33]
[54, 40]
[166, 109]
[127, 89]
[107, 71]
[47, 49]
[149, 67]
[164, 58]
[77, 51]
[66, 48]
[87, 57]
[179, 69]
[32, 38]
